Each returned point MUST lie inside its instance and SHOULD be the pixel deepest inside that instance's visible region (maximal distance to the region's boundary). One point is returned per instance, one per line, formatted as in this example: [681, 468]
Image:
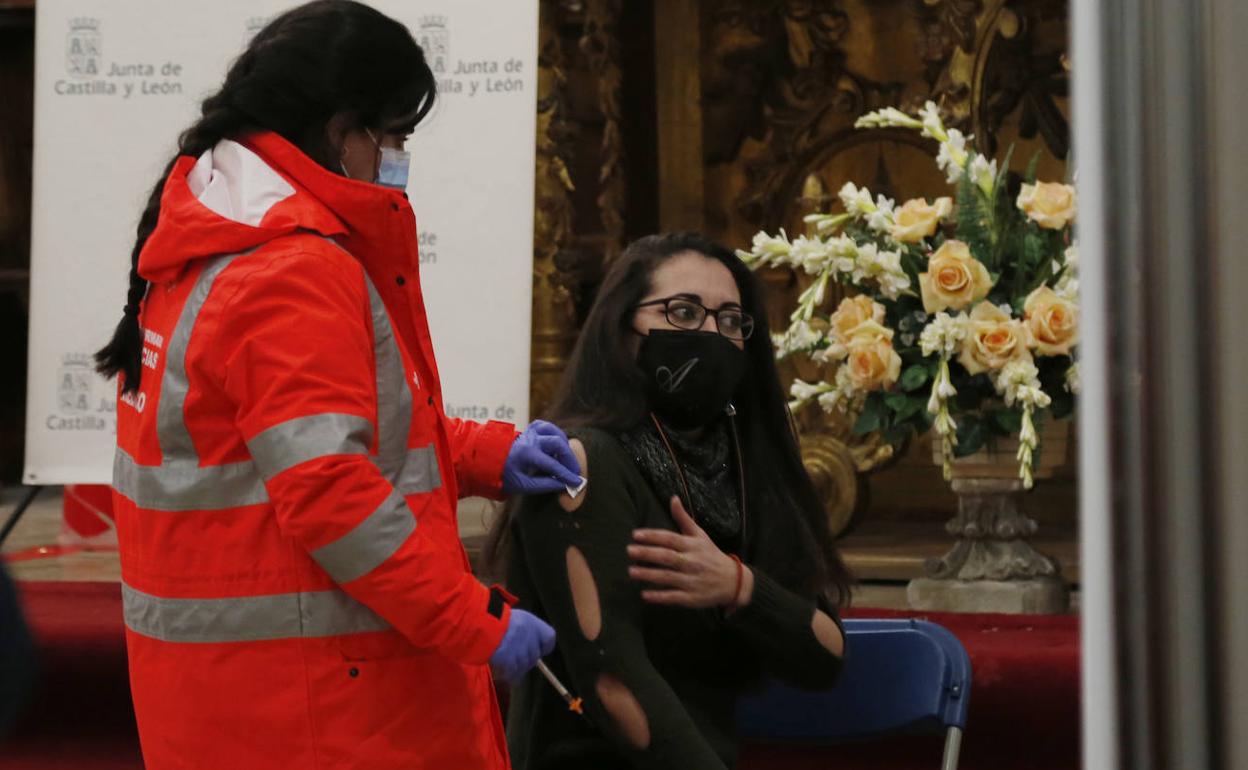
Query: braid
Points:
[124, 352]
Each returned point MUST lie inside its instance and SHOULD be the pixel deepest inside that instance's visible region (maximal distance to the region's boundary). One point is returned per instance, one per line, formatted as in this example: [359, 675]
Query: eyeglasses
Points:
[684, 313]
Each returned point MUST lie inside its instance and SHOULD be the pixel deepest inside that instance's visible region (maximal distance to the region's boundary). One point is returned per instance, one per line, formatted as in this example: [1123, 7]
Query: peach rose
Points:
[1050, 204]
[1052, 322]
[852, 312]
[993, 340]
[954, 279]
[917, 219]
[872, 364]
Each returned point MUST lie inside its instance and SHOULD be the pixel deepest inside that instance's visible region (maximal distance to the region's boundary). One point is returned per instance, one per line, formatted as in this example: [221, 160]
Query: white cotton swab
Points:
[575, 491]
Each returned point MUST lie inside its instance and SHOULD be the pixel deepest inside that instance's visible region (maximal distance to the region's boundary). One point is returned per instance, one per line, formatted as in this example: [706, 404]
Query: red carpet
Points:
[81, 717]
[1024, 700]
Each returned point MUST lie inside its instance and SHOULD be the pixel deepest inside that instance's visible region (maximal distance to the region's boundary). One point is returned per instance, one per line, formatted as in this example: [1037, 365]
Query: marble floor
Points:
[39, 528]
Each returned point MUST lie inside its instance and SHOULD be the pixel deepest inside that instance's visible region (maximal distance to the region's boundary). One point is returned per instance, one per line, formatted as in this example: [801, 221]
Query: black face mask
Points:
[690, 376]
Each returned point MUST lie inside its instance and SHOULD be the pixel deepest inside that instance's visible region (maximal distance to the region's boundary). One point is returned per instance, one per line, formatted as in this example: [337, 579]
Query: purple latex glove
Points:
[541, 461]
[528, 640]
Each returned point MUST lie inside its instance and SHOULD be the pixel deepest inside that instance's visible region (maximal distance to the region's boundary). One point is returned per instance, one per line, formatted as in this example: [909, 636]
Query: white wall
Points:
[117, 80]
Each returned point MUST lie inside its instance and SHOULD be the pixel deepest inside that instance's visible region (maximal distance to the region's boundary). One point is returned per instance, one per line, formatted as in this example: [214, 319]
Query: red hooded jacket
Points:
[295, 591]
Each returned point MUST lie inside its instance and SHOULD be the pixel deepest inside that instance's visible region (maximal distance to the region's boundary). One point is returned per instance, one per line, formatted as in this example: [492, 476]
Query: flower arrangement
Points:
[965, 317]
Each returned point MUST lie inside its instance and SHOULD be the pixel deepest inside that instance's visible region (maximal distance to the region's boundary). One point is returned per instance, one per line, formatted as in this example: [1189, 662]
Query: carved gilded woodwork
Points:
[600, 42]
[1009, 84]
[554, 317]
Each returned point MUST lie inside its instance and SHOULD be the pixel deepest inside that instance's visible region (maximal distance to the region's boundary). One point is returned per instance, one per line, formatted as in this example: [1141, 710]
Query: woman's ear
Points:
[355, 150]
[336, 131]
[343, 136]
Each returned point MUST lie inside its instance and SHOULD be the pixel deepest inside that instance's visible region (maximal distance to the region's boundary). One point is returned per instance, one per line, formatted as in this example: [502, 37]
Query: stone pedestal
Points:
[991, 567]
[1045, 596]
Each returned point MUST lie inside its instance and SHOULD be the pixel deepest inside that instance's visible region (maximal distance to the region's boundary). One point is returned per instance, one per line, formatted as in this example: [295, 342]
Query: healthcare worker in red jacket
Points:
[295, 592]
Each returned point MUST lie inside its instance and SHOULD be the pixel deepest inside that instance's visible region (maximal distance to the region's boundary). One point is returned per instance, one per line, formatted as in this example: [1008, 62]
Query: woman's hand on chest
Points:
[686, 568]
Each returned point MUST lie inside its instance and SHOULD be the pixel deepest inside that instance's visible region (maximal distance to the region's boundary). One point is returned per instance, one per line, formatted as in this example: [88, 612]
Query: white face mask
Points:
[393, 170]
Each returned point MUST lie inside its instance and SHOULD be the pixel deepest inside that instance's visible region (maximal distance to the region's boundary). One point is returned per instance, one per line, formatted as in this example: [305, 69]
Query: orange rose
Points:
[954, 279]
[872, 364]
[1052, 322]
[993, 339]
[1049, 204]
[852, 312]
[917, 219]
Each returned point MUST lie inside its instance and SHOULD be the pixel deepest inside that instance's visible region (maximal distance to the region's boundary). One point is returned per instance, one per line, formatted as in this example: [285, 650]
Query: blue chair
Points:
[899, 676]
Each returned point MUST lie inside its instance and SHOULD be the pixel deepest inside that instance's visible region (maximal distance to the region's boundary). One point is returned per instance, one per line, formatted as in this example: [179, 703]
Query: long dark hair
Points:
[316, 61]
[603, 388]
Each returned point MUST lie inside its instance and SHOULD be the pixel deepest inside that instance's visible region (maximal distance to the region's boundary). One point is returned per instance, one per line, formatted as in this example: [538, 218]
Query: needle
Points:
[575, 704]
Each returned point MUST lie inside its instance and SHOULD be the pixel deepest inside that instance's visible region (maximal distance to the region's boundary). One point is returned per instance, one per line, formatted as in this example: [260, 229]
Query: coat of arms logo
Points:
[83, 48]
[434, 40]
[74, 384]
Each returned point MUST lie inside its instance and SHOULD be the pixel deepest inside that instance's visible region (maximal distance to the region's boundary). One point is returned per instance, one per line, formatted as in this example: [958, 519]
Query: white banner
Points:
[117, 80]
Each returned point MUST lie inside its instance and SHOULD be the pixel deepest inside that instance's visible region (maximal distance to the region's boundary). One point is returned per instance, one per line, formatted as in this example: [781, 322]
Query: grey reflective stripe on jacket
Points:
[294, 442]
[247, 618]
[370, 543]
[180, 483]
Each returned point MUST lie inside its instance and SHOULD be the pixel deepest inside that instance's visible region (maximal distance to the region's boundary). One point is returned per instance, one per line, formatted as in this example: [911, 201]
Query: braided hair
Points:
[320, 60]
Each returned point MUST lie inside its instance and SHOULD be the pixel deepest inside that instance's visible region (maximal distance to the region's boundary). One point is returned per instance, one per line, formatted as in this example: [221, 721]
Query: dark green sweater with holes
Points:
[685, 668]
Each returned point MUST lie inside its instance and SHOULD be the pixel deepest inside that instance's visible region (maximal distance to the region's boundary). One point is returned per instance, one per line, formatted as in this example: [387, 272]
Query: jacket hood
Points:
[244, 193]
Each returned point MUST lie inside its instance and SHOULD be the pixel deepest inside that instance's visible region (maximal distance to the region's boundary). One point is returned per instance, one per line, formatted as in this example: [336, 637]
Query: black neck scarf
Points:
[710, 469]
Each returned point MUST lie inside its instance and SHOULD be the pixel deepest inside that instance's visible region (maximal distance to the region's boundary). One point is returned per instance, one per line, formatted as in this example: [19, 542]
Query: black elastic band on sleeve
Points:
[497, 602]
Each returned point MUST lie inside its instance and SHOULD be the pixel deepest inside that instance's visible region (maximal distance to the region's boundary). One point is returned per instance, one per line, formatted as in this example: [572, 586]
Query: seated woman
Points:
[697, 557]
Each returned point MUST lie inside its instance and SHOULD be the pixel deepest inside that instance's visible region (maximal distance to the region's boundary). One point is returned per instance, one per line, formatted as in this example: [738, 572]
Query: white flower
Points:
[953, 156]
[1073, 383]
[942, 390]
[891, 278]
[893, 285]
[834, 400]
[857, 201]
[1018, 372]
[935, 402]
[867, 264]
[932, 124]
[888, 117]
[800, 336]
[826, 222]
[1072, 257]
[1032, 394]
[843, 380]
[1019, 381]
[839, 397]
[844, 253]
[1028, 434]
[944, 335]
[835, 351]
[810, 254]
[1067, 287]
[881, 220]
[984, 174]
[778, 343]
[768, 249]
[883, 267]
[802, 392]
